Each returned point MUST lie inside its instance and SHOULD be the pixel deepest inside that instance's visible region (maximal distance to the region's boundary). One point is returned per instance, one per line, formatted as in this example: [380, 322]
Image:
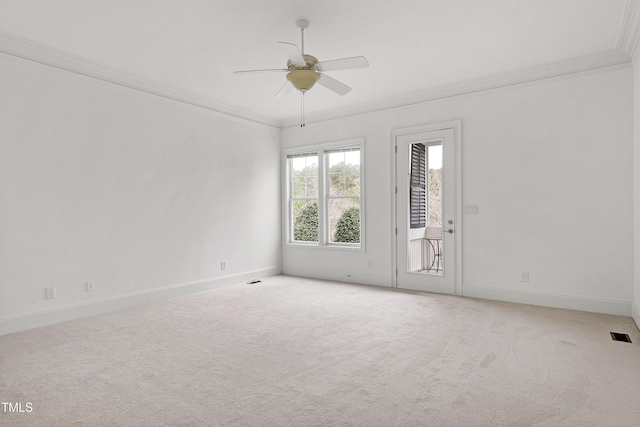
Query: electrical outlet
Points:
[223, 265]
[370, 263]
[50, 293]
[525, 276]
[91, 286]
[471, 209]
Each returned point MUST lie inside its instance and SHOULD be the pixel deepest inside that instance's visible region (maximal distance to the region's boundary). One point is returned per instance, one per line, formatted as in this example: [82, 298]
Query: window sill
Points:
[296, 245]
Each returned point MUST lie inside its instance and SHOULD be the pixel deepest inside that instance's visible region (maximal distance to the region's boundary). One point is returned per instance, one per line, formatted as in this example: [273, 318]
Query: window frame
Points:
[323, 195]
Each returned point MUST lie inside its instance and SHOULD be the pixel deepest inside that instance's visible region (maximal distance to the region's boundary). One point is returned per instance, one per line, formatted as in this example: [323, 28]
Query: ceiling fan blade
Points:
[284, 90]
[294, 54]
[266, 70]
[342, 64]
[333, 84]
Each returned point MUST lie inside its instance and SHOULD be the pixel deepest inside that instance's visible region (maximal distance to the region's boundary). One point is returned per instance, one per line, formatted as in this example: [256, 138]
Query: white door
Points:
[427, 220]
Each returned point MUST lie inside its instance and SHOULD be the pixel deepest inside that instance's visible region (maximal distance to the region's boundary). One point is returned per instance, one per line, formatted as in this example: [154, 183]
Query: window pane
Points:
[344, 173]
[344, 220]
[304, 176]
[435, 185]
[304, 186]
[305, 220]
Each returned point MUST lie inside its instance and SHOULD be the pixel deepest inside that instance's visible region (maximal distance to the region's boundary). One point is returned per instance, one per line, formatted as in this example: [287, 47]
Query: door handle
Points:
[450, 231]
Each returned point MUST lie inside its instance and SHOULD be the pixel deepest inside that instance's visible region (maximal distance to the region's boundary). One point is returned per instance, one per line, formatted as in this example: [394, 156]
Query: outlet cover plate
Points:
[471, 209]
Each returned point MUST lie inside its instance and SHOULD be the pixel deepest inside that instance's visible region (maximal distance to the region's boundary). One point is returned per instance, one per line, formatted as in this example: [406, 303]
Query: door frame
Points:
[456, 126]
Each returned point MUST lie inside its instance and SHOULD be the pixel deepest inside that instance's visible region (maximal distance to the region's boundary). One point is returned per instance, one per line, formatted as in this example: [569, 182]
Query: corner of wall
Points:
[636, 314]
[636, 191]
[636, 195]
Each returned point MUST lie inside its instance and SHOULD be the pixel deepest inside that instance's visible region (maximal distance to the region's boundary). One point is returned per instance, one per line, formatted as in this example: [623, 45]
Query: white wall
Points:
[550, 166]
[138, 193]
[636, 182]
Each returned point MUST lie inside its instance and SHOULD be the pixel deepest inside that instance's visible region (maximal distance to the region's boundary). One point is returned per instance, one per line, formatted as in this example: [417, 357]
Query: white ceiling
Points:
[412, 45]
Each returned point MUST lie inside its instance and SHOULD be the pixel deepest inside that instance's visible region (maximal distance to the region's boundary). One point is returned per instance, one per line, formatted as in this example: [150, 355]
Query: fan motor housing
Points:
[309, 59]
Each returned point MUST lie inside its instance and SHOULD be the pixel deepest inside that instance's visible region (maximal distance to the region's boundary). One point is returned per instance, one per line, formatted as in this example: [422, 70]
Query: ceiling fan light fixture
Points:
[304, 70]
[303, 80]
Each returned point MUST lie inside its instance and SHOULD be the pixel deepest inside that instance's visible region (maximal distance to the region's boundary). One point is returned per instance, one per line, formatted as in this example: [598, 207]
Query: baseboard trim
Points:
[338, 276]
[636, 314]
[32, 320]
[571, 302]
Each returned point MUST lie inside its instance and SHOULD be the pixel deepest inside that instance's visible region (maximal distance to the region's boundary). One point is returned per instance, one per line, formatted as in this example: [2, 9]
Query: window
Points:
[325, 195]
[343, 195]
[304, 196]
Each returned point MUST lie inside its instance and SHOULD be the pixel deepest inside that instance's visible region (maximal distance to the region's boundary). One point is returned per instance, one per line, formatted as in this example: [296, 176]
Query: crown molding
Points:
[19, 49]
[629, 35]
[26, 51]
[605, 61]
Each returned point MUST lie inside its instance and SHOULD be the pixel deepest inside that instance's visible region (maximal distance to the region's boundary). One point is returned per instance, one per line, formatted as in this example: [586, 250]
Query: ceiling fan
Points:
[304, 71]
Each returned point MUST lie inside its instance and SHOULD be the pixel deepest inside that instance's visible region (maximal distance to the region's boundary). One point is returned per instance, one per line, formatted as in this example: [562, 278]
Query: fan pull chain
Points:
[302, 110]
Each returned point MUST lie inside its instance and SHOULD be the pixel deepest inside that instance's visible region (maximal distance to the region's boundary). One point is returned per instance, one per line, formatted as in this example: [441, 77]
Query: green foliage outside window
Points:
[348, 226]
[305, 181]
[344, 179]
[305, 224]
[435, 197]
[344, 218]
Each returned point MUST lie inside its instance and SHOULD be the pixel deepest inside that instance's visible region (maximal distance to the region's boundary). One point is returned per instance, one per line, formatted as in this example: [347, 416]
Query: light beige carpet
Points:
[299, 352]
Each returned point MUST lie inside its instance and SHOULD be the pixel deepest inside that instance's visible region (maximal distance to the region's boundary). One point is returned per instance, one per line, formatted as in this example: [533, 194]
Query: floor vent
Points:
[616, 336]
[251, 282]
